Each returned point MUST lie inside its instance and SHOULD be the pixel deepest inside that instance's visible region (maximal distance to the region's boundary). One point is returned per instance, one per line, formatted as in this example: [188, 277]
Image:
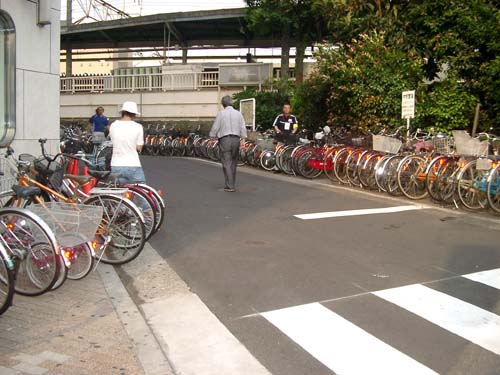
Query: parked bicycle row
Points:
[458, 170]
[54, 227]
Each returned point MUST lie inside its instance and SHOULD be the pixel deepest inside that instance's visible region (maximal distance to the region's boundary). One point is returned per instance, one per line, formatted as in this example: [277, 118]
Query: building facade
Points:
[29, 73]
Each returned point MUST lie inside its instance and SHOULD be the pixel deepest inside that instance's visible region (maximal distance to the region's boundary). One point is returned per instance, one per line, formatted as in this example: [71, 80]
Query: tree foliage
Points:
[447, 50]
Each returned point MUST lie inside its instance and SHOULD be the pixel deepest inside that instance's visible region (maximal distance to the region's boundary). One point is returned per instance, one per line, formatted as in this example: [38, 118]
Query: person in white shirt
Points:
[127, 137]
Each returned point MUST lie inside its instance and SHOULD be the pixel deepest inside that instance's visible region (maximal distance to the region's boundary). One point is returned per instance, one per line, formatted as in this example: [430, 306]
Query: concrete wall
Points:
[37, 75]
[171, 105]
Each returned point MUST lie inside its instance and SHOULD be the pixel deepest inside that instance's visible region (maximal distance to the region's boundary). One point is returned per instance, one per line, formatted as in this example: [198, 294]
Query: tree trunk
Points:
[285, 52]
[299, 62]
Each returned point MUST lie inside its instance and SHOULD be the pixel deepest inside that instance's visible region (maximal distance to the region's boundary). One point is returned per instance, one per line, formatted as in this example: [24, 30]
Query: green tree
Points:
[366, 78]
[295, 21]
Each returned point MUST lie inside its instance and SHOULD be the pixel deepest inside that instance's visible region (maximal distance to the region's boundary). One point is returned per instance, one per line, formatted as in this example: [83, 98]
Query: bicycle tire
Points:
[160, 204]
[367, 171]
[6, 281]
[29, 238]
[410, 177]
[391, 176]
[63, 274]
[339, 166]
[147, 206]
[122, 221]
[82, 260]
[472, 186]
[493, 190]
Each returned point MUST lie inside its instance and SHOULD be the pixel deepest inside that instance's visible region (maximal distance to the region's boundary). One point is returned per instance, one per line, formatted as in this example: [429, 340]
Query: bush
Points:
[268, 104]
[447, 106]
[366, 79]
[309, 102]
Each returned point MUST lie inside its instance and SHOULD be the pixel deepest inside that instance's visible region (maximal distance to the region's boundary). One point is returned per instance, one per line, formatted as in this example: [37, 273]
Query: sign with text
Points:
[247, 109]
[408, 104]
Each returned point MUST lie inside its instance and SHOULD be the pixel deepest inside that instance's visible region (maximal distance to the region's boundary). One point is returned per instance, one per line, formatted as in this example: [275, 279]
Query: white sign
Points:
[247, 109]
[408, 104]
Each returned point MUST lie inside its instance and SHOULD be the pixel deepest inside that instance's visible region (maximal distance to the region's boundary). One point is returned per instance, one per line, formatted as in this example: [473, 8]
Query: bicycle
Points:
[121, 234]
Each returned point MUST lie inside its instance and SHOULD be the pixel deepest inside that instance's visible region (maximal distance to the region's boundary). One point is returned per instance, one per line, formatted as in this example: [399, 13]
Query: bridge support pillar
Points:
[184, 55]
[69, 62]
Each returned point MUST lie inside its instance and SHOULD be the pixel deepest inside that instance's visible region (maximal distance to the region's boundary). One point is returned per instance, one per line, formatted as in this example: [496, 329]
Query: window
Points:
[7, 79]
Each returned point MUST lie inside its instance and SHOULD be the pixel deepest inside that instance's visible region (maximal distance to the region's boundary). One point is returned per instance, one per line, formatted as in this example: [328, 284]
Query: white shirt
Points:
[229, 122]
[126, 136]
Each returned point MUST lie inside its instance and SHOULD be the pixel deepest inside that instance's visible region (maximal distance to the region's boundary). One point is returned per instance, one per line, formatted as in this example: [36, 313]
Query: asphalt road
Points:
[303, 295]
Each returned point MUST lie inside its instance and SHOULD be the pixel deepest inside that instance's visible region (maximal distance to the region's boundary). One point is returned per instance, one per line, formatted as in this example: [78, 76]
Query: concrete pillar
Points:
[184, 56]
[69, 62]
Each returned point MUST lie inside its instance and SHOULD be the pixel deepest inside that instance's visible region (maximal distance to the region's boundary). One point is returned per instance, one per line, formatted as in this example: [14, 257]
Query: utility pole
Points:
[69, 52]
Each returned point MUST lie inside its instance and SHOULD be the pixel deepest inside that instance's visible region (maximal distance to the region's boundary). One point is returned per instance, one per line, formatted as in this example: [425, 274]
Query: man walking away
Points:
[97, 125]
[229, 127]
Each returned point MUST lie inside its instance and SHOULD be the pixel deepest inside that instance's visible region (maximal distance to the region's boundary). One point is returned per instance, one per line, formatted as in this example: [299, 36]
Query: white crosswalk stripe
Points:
[345, 348]
[339, 344]
[463, 319]
[490, 278]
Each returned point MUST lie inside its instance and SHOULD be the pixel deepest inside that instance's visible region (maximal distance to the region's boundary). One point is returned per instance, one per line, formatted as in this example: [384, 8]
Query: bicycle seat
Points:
[80, 180]
[100, 175]
[26, 191]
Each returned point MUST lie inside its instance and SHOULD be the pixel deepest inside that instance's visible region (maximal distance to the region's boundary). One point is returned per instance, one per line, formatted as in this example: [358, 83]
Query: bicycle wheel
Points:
[103, 158]
[368, 170]
[81, 259]
[352, 163]
[339, 166]
[379, 172]
[411, 177]
[121, 234]
[159, 204]
[6, 281]
[328, 168]
[33, 245]
[472, 186]
[310, 164]
[146, 205]
[63, 273]
[494, 189]
[286, 160]
[390, 173]
[267, 160]
[432, 181]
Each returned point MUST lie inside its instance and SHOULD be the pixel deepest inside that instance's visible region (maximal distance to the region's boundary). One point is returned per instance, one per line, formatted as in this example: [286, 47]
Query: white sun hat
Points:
[130, 107]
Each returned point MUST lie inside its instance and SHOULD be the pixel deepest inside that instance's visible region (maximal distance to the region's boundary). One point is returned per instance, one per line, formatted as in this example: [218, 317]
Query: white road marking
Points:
[459, 317]
[490, 278]
[369, 211]
[339, 344]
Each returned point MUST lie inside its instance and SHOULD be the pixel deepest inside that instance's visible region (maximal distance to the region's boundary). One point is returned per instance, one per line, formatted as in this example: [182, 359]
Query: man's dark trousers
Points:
[229, 148]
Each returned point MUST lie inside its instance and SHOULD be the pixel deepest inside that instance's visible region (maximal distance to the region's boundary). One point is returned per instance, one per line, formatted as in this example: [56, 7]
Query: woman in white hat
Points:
[127, 137]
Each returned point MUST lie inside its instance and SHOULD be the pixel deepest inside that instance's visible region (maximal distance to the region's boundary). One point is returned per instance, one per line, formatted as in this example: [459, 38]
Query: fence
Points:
[168, 81]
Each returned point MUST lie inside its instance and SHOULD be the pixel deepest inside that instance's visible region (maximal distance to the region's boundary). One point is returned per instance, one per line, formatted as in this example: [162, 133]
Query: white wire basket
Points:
[465, 145]
[266, 143]
[8, 177]
[72, 224]
[386, 144]
[442, 145]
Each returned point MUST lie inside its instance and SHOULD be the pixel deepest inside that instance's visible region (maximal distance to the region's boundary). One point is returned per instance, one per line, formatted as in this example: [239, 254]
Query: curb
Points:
[149, 351]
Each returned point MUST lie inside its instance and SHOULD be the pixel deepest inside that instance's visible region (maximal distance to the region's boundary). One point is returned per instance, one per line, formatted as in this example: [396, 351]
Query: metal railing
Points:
[168, 81]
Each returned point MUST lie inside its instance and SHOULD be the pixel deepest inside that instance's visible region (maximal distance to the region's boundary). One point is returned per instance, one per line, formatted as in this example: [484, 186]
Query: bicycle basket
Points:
[465, 145]
[266, 144]
[72, 224]
[386, 144]
[442, 145]
[54, 171]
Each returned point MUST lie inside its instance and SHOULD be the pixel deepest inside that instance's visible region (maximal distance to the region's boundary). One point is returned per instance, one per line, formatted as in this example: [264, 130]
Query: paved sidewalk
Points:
[73, 330]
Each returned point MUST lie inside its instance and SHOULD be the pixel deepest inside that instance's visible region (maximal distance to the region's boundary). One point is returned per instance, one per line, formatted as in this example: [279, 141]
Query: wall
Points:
[37, 75]
[170, 105]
